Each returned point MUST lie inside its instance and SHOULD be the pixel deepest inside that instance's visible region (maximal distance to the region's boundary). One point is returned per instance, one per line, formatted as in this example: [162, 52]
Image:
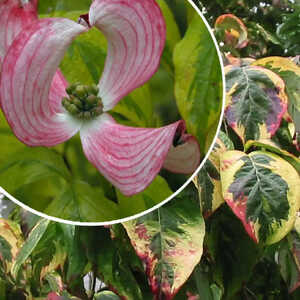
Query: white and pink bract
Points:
[32, 88]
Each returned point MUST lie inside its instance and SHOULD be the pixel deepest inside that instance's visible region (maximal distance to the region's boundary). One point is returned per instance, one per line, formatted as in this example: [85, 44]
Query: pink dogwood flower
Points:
[42, 110]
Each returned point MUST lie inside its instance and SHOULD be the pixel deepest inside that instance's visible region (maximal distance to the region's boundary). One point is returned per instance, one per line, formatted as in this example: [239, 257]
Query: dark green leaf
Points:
[114, 269]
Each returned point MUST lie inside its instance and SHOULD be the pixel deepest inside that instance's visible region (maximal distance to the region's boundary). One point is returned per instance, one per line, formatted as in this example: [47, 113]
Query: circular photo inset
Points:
[107, 107]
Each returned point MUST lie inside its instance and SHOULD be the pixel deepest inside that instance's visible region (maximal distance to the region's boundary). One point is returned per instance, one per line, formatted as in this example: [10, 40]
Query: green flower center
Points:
[83, 101]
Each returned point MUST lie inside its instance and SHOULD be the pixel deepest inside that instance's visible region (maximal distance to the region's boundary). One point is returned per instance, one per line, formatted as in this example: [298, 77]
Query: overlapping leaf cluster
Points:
[251, 179]
[248, 191]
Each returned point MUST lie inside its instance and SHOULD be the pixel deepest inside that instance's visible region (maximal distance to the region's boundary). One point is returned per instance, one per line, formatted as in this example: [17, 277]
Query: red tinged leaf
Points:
[136, 33]
[235, 31]
[262, 190]
[290, 73]
[170, 249]
[239, 208]
[237, 61]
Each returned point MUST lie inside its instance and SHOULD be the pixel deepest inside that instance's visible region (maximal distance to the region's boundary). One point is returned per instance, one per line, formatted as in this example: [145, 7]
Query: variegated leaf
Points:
[58, 260]
[10, 242]
[271, 146]
[256, 101]
[290, 73]
[262, 190]
[237, 61]
[55, 281]
[208, 179]
[169, 241]
[233, 31]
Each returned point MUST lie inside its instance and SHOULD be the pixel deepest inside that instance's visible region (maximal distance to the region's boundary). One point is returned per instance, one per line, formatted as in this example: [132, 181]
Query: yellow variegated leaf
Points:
[263, 191]
[169, 241]
[266, 144]
[208, 179]
[290, 73]
[11, 236]
[58, 259]
[233, 31]
[255, 101]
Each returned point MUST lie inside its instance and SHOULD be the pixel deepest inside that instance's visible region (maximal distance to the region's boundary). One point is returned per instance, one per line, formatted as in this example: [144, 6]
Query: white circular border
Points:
[33, 211]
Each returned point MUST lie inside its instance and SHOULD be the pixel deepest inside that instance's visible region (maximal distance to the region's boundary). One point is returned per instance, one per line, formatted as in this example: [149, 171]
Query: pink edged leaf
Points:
[262, 190]
[239, 209]
[136, 32]
[30, 89]
[234, 30]
[14, 17]
[169, 249]
[184, 157]
[128, 157]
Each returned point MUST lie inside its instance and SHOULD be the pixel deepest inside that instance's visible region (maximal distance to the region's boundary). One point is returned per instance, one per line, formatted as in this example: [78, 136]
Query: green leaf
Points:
[289, 32]
[261, 188]
[85, 58]
[172, 36]
[138, 203]
[50, 6]
[231, 254]
[198, 82]
[289, 260]
[113, 268]
[79, 201]
[34, 237]
[9, 143]
[106, 295]
[256, 101]
[30, 165]
[76, 258]
[2, 289]
[137, 107]
[169, 241]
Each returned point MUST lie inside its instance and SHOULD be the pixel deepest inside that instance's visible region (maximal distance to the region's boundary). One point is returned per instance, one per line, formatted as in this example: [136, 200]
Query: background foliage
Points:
[234, 234]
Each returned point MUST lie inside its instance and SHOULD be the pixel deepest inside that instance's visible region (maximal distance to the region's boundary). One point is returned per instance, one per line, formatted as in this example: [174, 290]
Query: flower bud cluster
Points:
[83, 101]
